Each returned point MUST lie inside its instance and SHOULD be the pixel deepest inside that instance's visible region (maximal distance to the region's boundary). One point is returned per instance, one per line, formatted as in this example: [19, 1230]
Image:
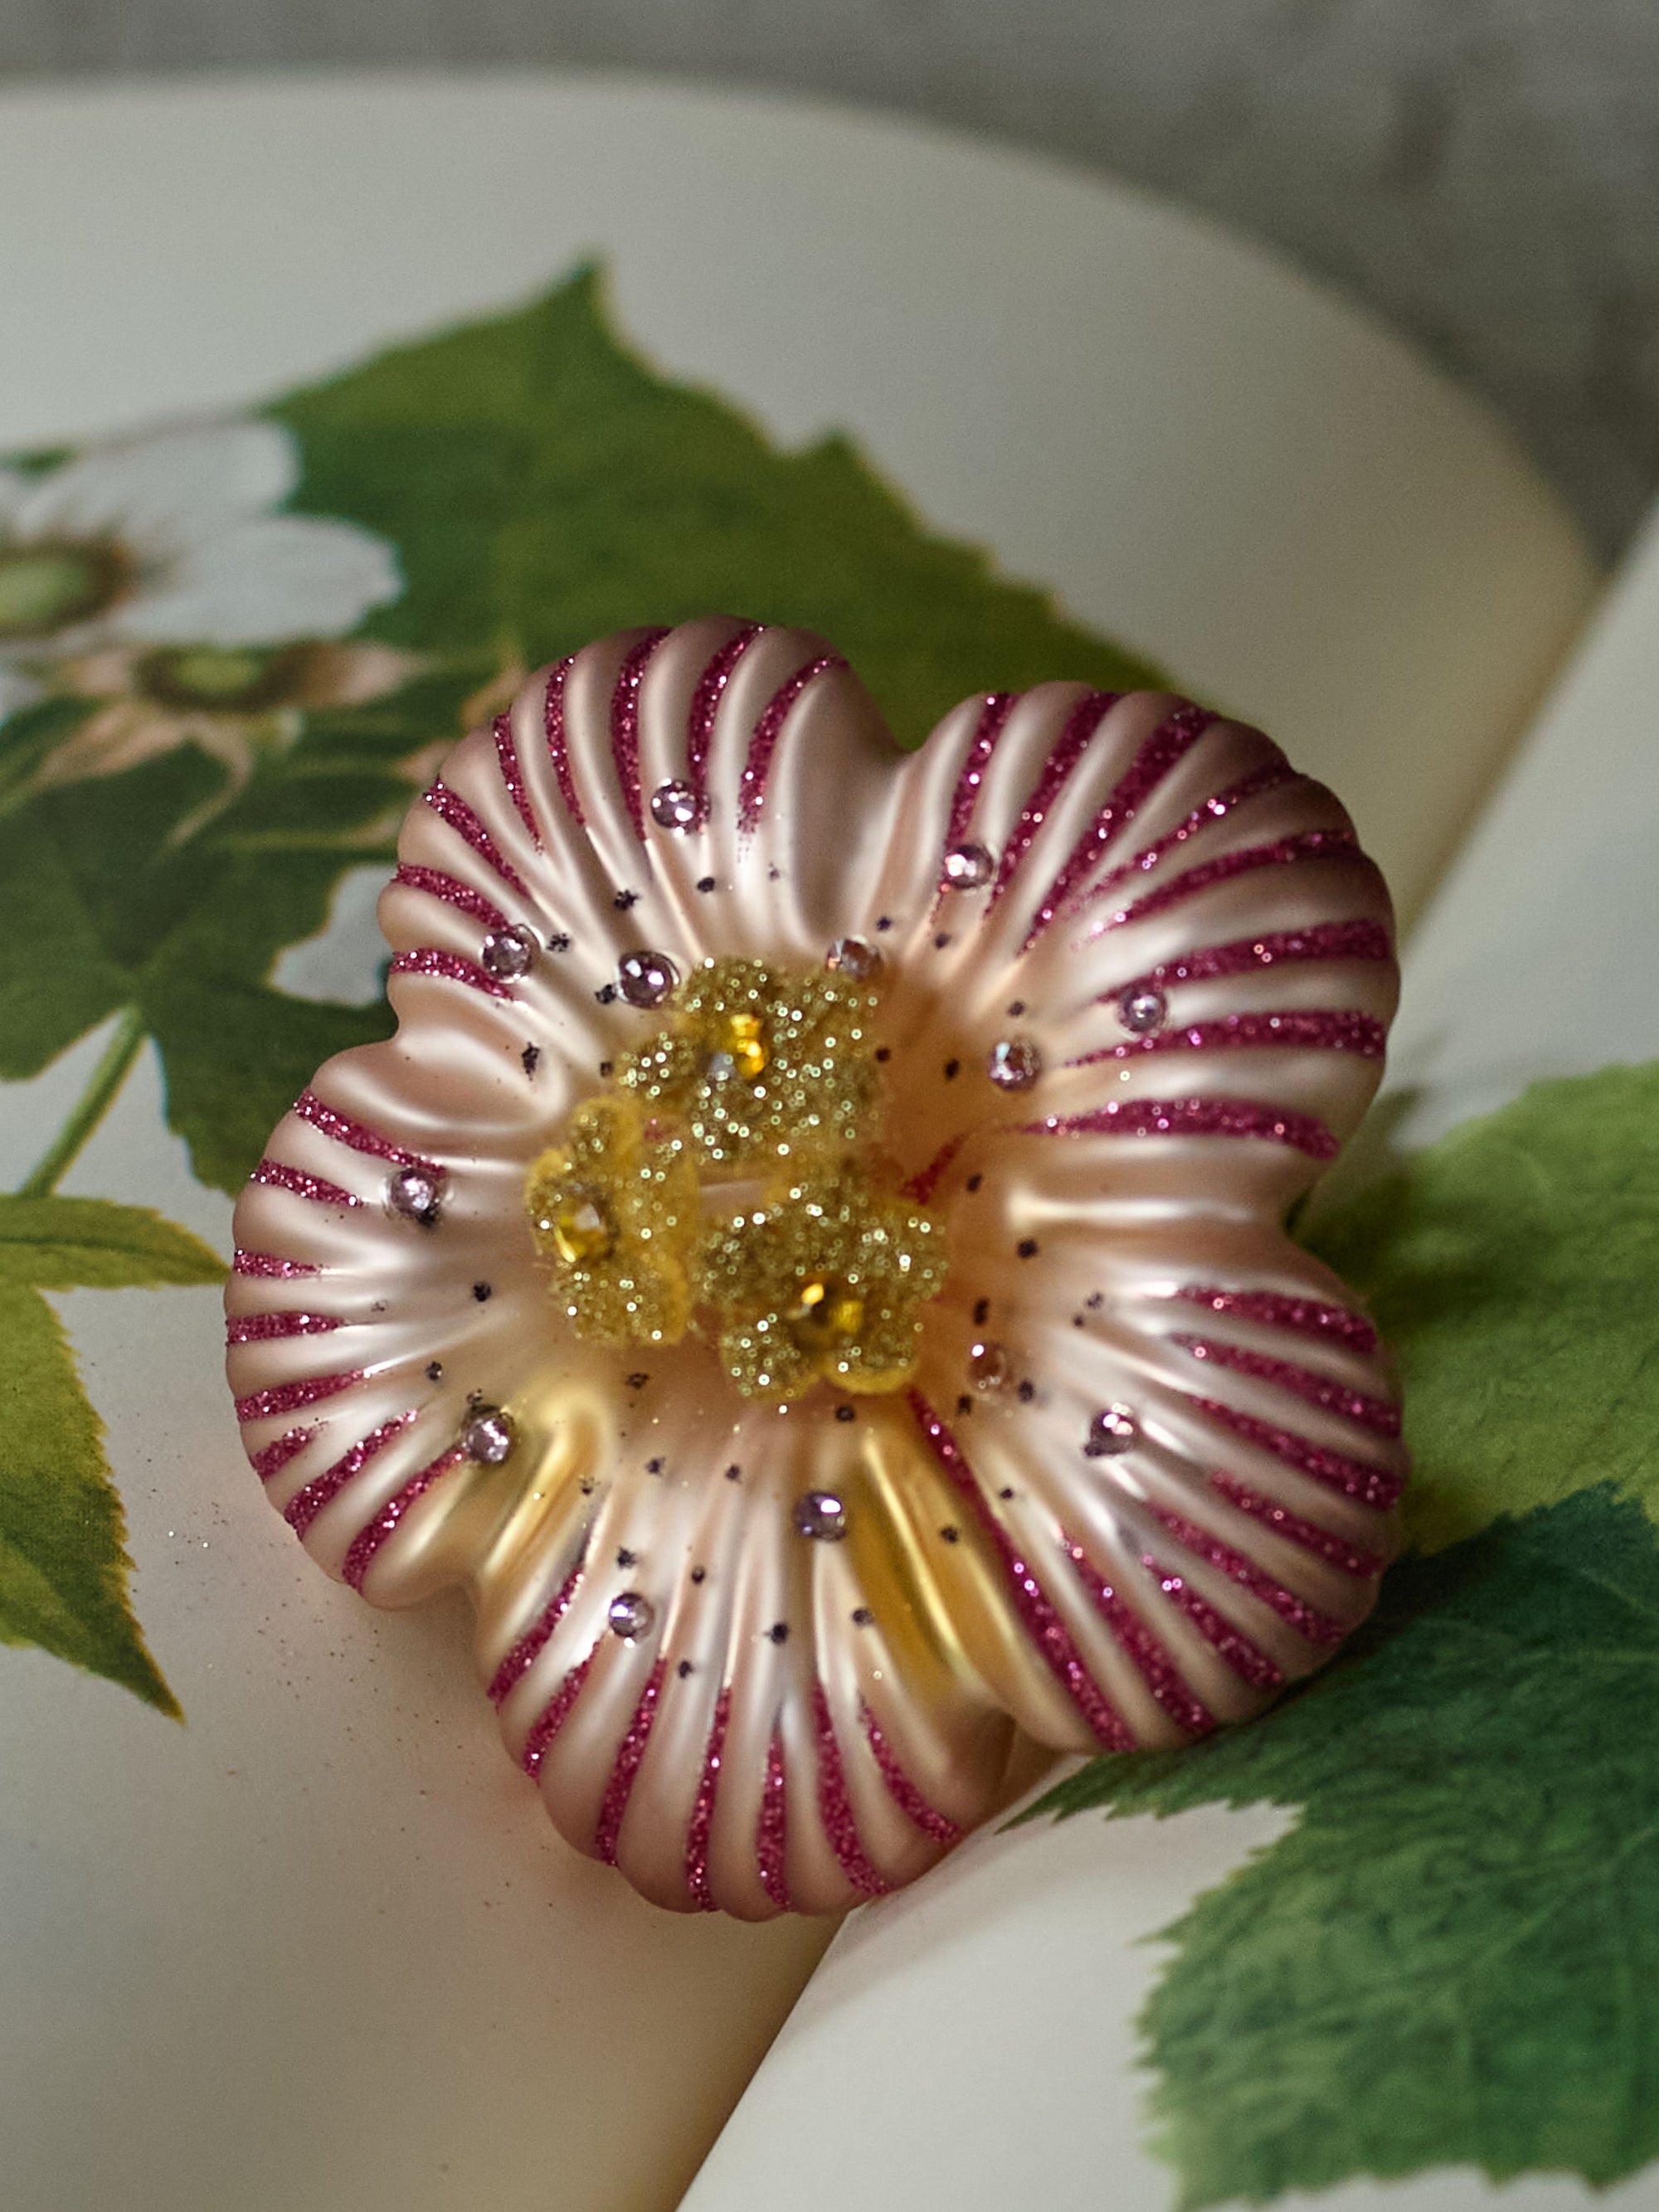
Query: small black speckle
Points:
[474, 1399]
[558, 942]
[379, 1306]
[605, 1066]
[1005, 1494]
[434, 1370]
[1078, 1322]
[529, 1057]
[697, 1573]
[1027, 1391]
[653, 1467]
[974, 1182]
[964, 1405]
[605, 993]
[886, 921]
[771, 875]
[862, 1615]
[883, 1052]
[482, 1291]
[952, 1069]
[626, 1559]
[1018, 1008]
[684, 1668]
[950, 1535]
[1095, 1301]
[981, 1312]
[705, 883]
[779, 1631]
[638, 1380]
[734, 1472]
[941, 940]
[624, 900]
[1027, 1248]
[844, 1413]
[586, 1486]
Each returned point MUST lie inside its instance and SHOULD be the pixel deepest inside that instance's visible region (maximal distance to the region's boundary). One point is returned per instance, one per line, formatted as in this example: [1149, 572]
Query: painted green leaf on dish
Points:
[1453, 1956]
[1450, 1957]
[62, 1565]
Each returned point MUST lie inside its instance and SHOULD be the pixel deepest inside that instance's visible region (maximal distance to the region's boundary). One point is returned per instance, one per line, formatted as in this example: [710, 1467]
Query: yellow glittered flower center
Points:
[761, 1089]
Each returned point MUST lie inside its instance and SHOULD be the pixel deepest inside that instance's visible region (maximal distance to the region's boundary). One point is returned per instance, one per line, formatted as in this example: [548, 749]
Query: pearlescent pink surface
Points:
[1169, 1494]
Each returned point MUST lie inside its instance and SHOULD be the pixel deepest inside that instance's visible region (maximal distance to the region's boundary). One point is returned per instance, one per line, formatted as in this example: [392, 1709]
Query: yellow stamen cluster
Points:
[762, 1078]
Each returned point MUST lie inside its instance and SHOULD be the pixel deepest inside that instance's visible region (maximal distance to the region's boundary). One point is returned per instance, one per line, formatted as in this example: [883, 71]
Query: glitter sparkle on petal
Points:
[1074, 740]
[450, 890]
[368, 1542]
[1246, 1659]
[630, 1752]
[835, 1805]
[1193, 1117]
[1357, 1478]
[702, 1810]
[705, 702]
[553, 1718]
[1275, 1309]
[507, 757]
[1349, 1558]
[270, 1461]
[302, 1509]
[530, 1646]
[1276, 853]
[452, 808]
[625, 724]
[558, 749]
[1367, 942]
[1269, 777]
[277, 1175]
[752, 794]
[289, 1397]
[902, 1791]
[262, 1327]
[1380, 1415]
[435, 960]
[771, 1829]
[992, 721]
[1322, 1029]
[1169, 1688]
[1312, 1626]
[272, 1266]
[357, 1136]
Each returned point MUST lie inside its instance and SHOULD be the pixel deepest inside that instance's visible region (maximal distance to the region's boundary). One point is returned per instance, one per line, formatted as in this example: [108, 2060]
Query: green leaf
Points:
[1453, 1956]
[63, 1567]
[543, 483]
[67, 1243]
[1513, 1268]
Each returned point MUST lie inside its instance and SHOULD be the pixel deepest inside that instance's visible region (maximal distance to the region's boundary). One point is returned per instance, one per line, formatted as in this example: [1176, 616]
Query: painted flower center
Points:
[47, 587]
[223, 679]
[732, 1181]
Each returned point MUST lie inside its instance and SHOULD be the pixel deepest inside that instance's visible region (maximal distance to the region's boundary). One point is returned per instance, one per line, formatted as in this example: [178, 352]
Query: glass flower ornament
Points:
[810, 1261]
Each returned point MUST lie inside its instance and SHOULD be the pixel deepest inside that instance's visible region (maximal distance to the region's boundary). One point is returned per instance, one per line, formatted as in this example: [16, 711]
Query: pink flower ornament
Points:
[811, 1262]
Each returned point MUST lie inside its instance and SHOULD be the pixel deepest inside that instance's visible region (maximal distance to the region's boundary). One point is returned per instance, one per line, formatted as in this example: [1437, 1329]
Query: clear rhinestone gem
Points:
[967, 867]
[1014, 1064]
[678, 806]
[821, 1514]
[631, 1614]
[1142, 1012]
[487, 1436]
[987, 1366]
[646, 979]
[413, 1192]
[1113, 1430]
[507, 953]
[854, 957]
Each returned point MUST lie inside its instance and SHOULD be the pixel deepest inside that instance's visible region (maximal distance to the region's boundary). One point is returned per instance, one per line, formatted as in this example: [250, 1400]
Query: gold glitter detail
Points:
[618, 1217]
[760, 1065]
[826, 1282]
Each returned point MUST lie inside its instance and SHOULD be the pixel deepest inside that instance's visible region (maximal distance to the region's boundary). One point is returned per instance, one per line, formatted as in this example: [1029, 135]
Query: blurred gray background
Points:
[1485, 172]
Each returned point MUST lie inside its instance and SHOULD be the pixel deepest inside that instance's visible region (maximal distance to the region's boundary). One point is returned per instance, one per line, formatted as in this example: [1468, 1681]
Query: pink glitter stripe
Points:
[705, 702]
[1169, 1689]
[1044, 1625]
[276, 1174]
[625, 725]
[558, 749]
[358, 1135]
[1282, 852]
[619, 1788]
[270, 1264]
[449, 806]
[1274, 1309]
[703, 1810]
[506, 755]
[289, 1397]
[925, 1181]
[1173, 737]
[1348, 1557]
[1313, 1626]
[752, 794]
[992, 721]
[1324, 1030]
[306, 1505]
[1355, 1478]
[771, 1829]
[1074, 740]
[531, 1645]
[1380, 1415]
[1191, 1117]
[835, 1807]
[1269, 777]
[433, 960]
[1327, 940]
[276, 1456]
[368, 1540]
[1247, 1660]
[554, 1716]
[904, 1792]
[259, 1328]
[453, 891]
